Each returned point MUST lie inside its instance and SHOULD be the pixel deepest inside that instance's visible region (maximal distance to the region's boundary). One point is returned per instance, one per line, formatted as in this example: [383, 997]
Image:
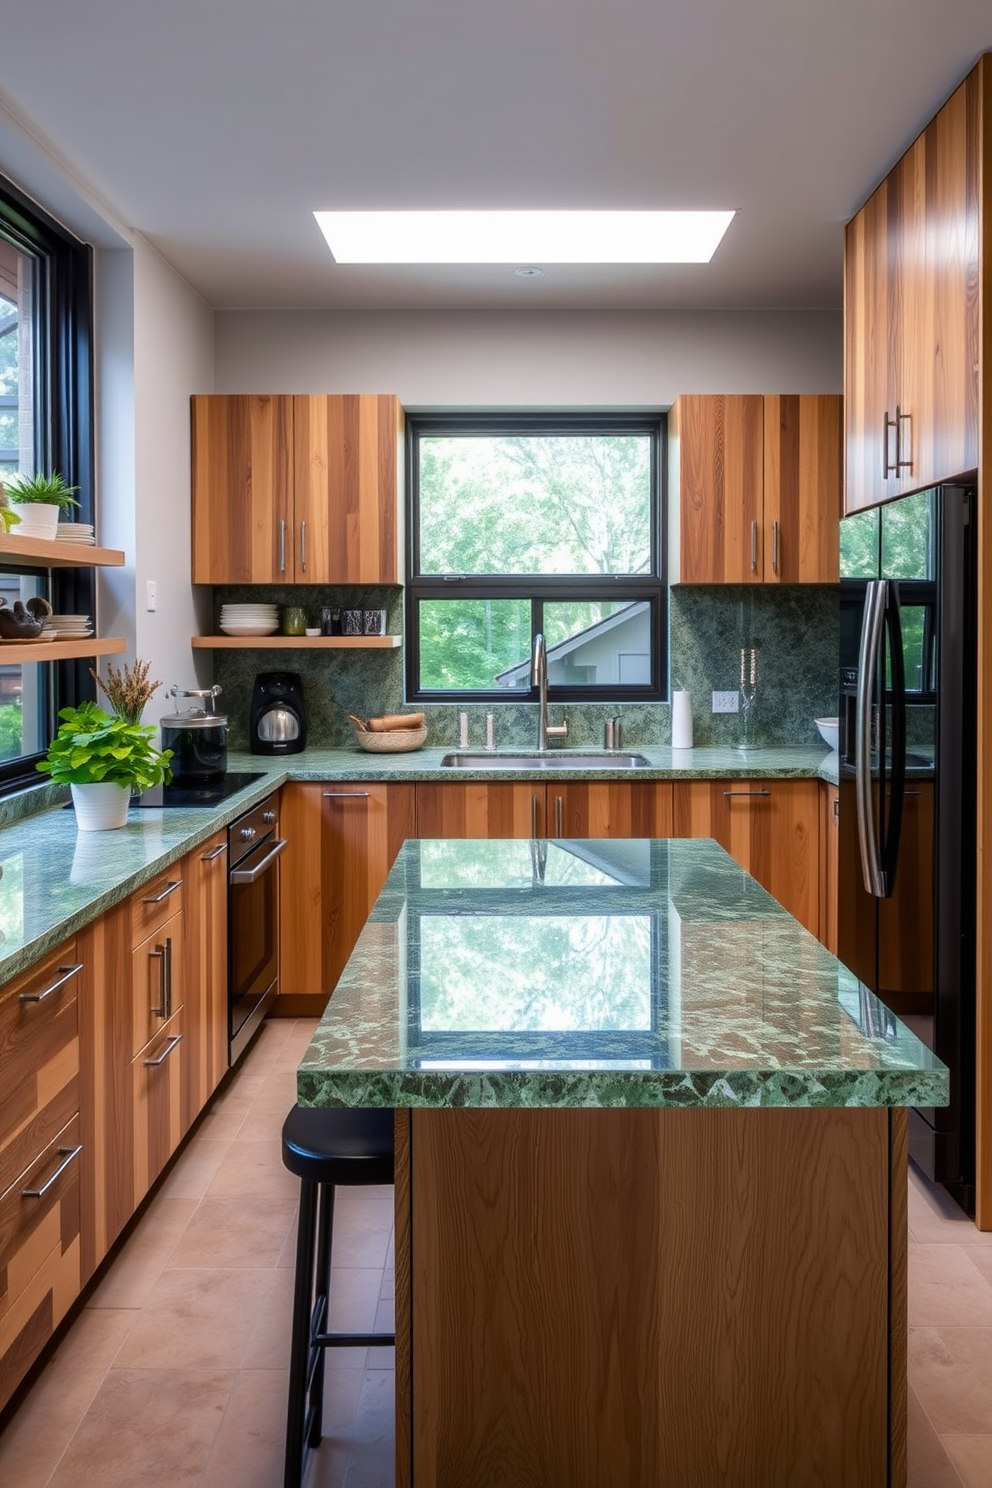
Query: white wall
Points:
[563, 358]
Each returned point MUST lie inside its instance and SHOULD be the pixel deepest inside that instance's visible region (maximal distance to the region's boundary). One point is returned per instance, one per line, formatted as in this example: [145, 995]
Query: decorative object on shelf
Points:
[749, 690]
[103, 758]
[330, 620]
[38, 502]
[393, 733]
[24, 621]
[8, 517]
[294, 620]
[249, 619]
[76, 532]
[373, 622]
[127, 689]
[351, 622]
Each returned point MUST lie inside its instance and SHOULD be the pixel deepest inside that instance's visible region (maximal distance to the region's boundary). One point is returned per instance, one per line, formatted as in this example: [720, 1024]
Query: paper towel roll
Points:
[681, 720]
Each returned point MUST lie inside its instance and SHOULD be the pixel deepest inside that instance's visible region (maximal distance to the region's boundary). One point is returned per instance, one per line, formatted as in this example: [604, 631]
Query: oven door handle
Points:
[251, 875]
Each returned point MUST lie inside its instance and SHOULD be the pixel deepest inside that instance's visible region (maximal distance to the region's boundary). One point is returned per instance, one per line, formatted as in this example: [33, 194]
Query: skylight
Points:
[523, 237]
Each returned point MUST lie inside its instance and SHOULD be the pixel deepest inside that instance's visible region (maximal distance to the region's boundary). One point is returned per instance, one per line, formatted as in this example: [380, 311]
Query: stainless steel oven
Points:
[254, 848]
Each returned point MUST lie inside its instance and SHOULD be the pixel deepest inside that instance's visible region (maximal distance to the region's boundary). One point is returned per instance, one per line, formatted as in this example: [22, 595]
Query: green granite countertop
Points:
[600, 973]
[55, 880]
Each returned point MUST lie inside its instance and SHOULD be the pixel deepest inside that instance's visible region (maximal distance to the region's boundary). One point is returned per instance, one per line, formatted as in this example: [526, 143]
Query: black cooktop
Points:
[200, 795]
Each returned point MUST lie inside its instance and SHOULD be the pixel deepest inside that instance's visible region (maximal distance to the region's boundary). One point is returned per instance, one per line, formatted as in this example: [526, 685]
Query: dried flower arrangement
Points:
[127, 689]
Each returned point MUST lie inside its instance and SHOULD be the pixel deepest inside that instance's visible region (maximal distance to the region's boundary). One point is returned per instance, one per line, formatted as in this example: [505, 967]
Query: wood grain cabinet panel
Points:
[529, 808]
[755, 488]
[156, 1081]
[155, 981]
[205, 1056]
[770, 827]
[829, 864]
[299, 489]
[481, 809]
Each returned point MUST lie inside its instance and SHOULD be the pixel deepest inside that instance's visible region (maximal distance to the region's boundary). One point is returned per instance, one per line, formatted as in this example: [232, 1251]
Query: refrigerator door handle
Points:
[897, 792]
[871, 636]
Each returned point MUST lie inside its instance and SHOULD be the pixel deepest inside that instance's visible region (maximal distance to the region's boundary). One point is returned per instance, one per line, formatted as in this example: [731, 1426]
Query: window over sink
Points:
[535, 523]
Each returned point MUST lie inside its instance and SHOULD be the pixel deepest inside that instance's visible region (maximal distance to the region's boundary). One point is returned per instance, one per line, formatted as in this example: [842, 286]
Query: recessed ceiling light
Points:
[531, 272]
[515, 237]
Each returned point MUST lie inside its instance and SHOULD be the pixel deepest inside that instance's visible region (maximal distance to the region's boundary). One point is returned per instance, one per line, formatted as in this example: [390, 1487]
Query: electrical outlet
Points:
[151, 595]
[725, 702]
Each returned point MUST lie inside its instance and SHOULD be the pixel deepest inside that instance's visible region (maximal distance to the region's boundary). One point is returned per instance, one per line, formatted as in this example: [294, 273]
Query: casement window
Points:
[45, 425]
[527, 524]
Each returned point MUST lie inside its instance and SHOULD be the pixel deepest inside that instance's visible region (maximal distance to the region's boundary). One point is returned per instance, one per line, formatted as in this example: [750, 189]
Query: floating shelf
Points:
[13, 653]
[38, 553]
[296, 643]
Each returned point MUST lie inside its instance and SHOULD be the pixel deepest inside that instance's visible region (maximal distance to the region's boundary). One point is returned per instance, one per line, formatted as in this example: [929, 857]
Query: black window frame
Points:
[64, 392]
[540, 589]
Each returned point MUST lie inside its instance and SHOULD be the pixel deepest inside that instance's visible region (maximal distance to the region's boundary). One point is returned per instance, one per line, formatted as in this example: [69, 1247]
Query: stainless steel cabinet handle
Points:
[67, 973]
[162, 1011]
[748, 793]
[68, 1155]
[346, 795]
[533, 816]
[170, 888]
[251, 875]
[837, 809]
[558, 816]
[871, 635]
[167, 972]
[889, 467]
[303, 547]
[209, 857]
[754, 547]
[175, 1040]
[911, 793]
[774, 547]
[282, 547]
[902, 464]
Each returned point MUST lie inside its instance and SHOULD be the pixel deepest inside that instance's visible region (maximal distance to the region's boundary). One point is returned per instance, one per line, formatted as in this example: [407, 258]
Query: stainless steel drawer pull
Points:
[176, 1038]
[346, 795]
[774, 547]
[303, 547]
[67, 973]
[170, 888]
[748, 793]
[558, 817]
[282, 547]
[754, 547]
[160, 954]
[68, 1155]
[209, 857]
[251, 875]
[911, 793]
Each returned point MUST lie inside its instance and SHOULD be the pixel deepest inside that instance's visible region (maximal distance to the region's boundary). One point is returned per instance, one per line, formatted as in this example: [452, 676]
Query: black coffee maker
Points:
[278, 716]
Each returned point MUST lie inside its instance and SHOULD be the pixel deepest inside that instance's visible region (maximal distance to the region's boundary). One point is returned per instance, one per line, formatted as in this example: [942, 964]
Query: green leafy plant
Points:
[8, 517]
[46, 490]
[93, 747]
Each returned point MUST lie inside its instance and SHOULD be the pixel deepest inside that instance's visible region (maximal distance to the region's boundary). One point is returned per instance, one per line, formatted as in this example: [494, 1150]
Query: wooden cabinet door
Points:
[609, 808]
[156, 1104]
[349, 461]
[829, 863]
[205, 983]
[802, 488]
[157, 981]
[242, 485]
[343, 841]
[716, 452]
[481, 808]
[770, 827]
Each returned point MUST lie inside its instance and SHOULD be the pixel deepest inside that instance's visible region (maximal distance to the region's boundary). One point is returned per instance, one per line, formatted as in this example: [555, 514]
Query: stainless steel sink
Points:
[554, 759]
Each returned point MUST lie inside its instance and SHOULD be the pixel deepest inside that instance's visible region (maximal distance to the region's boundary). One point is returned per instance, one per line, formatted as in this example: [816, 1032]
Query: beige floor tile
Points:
[152, 1427]
[36, 1437]
[354, 1301]
[235, 1232]
[254, 1168]
[372, 1459]
[951, 1371]
[260, 1124]
[362, 1232]
[981, 1258]
[929, 1464]
[935, 1218]
[194, 1169]
[946, 1290]
[388, 1282]
[248, 1451]
[268, 1348]
[137, 1267]
[222, 1123]
[972, 1456]
[197, 1320]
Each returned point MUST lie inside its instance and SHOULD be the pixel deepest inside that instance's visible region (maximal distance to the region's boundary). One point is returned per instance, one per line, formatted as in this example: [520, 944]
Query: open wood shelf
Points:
[296, 643]
[13, 653]
[39, 553]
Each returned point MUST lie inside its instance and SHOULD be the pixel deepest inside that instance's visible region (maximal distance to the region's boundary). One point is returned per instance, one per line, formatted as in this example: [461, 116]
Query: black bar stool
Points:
[323, 1148]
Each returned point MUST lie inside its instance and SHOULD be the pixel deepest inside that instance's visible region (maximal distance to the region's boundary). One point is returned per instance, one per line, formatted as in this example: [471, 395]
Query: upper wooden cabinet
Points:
[755, 488]
[297, 489]
[911, 316]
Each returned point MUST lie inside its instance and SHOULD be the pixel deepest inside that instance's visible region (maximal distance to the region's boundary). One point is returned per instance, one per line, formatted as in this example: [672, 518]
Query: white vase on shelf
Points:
[38, 519]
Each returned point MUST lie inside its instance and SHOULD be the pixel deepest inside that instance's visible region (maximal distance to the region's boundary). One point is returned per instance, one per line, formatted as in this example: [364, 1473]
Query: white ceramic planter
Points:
[38, 519]
[99, 808]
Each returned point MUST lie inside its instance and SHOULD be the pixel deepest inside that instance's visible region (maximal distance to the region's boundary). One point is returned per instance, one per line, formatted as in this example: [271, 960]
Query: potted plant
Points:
[38, 501]
[104, 756]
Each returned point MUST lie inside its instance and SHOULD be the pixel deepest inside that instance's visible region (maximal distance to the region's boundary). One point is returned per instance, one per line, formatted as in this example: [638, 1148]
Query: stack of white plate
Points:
[249, 619]
[69, 627]
[77, 532]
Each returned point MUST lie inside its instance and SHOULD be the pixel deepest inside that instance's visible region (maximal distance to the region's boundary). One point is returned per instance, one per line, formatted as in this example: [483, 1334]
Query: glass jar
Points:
[294, 621]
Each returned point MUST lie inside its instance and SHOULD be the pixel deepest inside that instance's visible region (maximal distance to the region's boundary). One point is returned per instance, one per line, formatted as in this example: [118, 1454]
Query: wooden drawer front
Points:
[156, 1086]
[156, 903]
[39, 1255]
[156, 982]
[39, 1059]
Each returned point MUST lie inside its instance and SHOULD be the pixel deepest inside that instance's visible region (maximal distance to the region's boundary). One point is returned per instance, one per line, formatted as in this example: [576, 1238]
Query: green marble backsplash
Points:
[794, 627]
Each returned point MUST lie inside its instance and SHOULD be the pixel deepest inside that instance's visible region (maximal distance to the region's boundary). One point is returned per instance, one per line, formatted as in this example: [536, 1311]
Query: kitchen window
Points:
[537, 523]
[45, 424]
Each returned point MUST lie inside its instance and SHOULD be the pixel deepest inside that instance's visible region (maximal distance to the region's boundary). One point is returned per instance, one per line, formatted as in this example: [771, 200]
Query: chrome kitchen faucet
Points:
[539, 679]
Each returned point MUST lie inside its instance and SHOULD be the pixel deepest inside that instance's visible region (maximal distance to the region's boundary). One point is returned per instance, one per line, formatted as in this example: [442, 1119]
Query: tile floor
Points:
[174, 1375]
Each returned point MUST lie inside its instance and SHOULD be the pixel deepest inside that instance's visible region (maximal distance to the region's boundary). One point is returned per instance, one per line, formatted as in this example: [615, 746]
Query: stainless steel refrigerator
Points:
[906, 920]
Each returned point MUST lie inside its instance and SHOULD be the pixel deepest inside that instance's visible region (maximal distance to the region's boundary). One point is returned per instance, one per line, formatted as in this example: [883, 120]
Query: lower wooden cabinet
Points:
[343, 839]
[156, 1079]
[607, 808]
[205, 1033]
[771, 827]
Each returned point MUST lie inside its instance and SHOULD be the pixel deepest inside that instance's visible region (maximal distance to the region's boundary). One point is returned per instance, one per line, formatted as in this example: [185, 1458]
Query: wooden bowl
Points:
[394, 741]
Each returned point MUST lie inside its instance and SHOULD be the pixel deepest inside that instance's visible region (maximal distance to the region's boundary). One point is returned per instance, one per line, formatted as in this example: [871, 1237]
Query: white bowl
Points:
[829, 731]
[232, 629]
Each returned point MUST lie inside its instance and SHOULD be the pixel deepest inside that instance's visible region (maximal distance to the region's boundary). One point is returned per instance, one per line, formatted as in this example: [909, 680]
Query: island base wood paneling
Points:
[678, 1298]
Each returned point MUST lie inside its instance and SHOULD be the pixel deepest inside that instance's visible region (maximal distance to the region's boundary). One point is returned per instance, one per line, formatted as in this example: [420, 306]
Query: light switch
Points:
[151, 595]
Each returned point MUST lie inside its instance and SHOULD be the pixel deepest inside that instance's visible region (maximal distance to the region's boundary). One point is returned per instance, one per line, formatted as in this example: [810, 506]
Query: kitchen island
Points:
[651, 1171]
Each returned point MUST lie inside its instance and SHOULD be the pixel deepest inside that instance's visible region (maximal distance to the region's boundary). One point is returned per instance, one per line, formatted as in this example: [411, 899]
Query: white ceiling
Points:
[215, 127]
